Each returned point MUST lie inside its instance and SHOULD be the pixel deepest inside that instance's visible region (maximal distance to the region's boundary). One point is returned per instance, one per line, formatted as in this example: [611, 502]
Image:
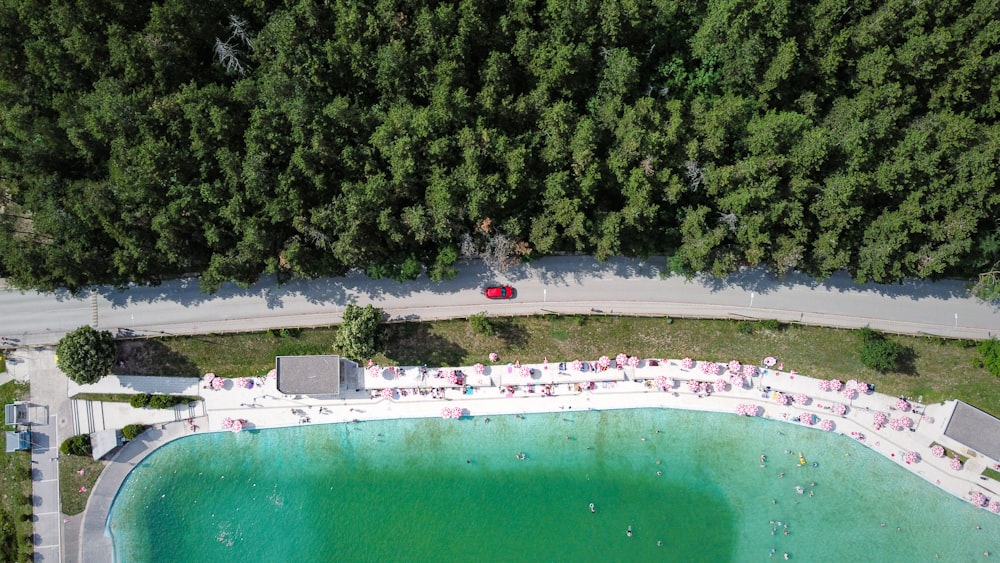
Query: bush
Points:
[77, 445]
[358, 336]
[482, 325]
[770, 324]
[162, 401]
[879, 352]
[745, 327]
[140, 401]
[132, 430]
[990, 352]
[86, 355]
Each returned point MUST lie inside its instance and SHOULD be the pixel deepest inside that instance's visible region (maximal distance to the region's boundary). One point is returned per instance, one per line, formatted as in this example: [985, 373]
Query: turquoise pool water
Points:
[431, 489]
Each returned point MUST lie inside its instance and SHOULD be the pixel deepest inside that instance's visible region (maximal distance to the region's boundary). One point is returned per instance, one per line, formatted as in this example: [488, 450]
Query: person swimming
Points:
[628, 532]
[592, 510]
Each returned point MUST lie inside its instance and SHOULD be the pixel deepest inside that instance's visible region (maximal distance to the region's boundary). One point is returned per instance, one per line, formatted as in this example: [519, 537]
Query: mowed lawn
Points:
[940, 369]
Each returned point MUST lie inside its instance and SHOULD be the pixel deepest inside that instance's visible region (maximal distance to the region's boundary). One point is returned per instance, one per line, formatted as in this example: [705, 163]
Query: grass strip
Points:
[74, 486]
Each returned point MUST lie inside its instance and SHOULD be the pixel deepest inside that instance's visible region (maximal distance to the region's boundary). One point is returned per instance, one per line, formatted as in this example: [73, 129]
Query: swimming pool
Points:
[416, 489]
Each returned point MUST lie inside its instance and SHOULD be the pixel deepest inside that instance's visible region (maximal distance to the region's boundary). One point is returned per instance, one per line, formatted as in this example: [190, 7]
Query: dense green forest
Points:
[142, 140]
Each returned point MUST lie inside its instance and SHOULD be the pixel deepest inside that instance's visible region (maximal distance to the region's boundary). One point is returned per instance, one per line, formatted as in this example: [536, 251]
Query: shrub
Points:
[770, 324]
[482, 325]
[86, 355]
[744, 327]
[140, 401]
[358, 336]
[77, 445]
[132, 430]
[162, 401]
[879, 352]
[409, 270]
[990, 352]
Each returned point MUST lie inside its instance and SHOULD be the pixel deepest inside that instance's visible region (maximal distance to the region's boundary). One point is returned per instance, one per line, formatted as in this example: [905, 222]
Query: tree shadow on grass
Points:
[511, 332]
[413, 344]
[906, 362]
[151, 357]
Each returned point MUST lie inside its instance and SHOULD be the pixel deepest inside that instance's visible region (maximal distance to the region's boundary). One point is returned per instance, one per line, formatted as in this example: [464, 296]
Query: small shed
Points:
[975, 429]
[101, 443]
[16, 413]
[311, 375]
[18, 441]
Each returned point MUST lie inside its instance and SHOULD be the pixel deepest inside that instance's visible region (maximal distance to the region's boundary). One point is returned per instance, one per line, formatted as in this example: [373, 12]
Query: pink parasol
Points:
[494, 357]
[978, 499]
[604, 362]
[661, 382]
[218, 383]
[850, 393]
[781, 399]
[956, 464]
[633, 361]
[807, 419]
[902, 405]
[237, 426]
[839, 409]
[720, 385]
[802, 399]
[374, 371]
[770, 361]
[995, 507]
[735, 366]
[388, 393]
[863, 387]
[937, 450]
[687, 363]
[878, 419]
[243, 383]
[901, 423]
[620, 360]
[227, 422]
[911, 457]
[836, 385]
[749, 370]
[451, 376]
[480, 369]
[694, 385]
[525, 371]
[746, 410]
[577, 365]
[736, 381]
[823, 384]
[826, 425]
[703, 386]
[208, 377]
[272, 374]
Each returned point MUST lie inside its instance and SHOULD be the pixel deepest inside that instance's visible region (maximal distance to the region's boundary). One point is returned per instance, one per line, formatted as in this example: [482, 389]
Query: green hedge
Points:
[131, 431]
[77, 445]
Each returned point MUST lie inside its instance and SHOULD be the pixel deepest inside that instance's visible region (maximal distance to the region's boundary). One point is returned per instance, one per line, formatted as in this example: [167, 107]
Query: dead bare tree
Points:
[695, 174]
[228, 53]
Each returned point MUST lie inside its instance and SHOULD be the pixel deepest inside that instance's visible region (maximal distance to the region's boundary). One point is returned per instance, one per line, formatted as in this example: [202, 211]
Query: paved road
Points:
[557, 284]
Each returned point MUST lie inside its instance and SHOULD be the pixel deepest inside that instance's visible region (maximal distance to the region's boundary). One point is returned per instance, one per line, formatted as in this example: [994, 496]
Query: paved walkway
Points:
[264, 407]
[50, 425]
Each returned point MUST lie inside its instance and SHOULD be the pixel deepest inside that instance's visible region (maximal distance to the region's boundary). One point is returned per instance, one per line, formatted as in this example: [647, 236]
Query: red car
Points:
[499, 292]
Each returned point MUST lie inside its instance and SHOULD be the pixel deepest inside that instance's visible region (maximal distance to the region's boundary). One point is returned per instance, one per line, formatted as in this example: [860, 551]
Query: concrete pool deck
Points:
[264, 407]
